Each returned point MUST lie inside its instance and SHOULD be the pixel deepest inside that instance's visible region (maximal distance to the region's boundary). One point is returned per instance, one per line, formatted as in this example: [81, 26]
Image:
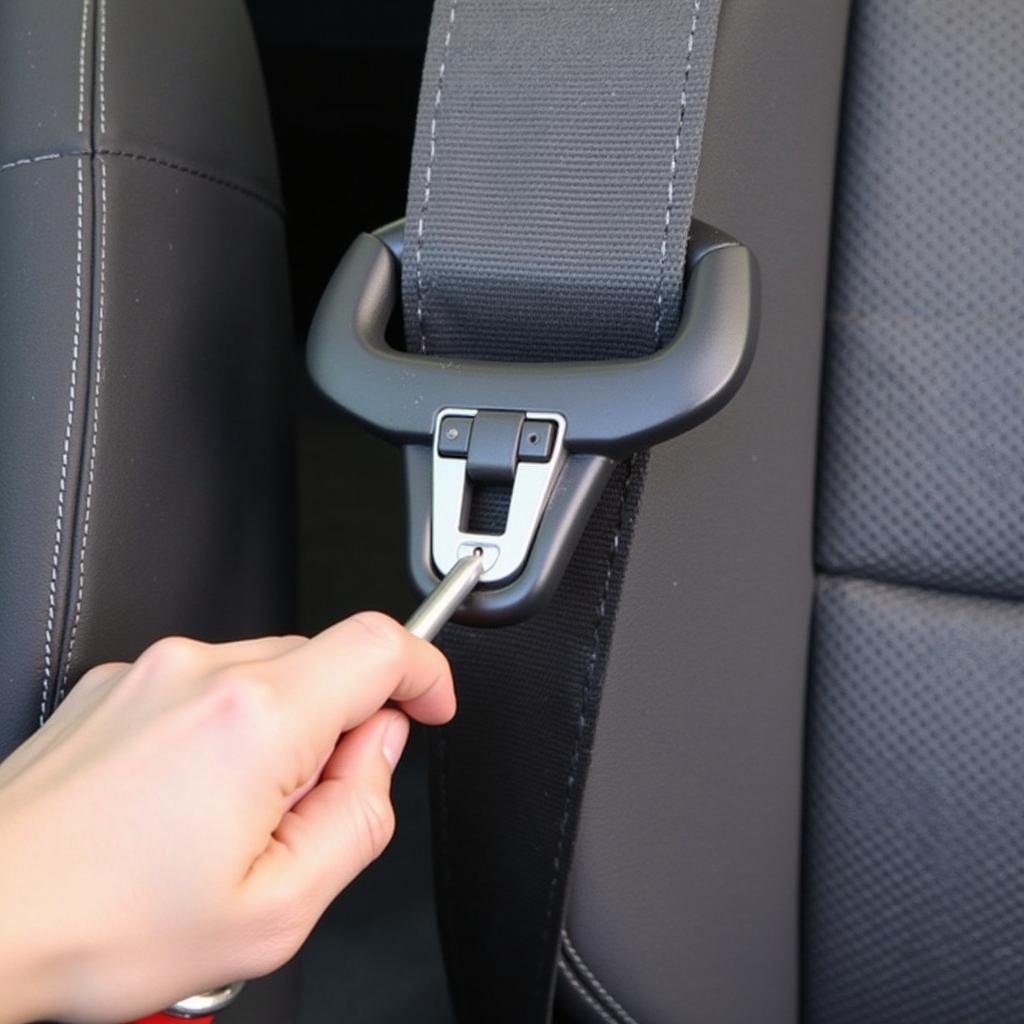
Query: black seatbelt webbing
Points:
[550, 196]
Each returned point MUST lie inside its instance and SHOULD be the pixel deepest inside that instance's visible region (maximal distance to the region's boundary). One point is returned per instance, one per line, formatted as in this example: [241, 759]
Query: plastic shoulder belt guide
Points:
[550, 433]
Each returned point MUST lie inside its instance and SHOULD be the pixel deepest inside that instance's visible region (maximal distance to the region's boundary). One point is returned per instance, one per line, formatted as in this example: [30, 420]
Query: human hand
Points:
[184, 820]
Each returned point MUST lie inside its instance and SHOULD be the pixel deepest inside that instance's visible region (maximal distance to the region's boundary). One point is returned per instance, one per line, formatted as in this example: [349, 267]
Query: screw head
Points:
[453, 433]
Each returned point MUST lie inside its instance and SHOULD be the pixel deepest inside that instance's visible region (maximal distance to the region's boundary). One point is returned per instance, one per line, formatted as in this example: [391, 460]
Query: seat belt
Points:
[547, 346]
[549, 206]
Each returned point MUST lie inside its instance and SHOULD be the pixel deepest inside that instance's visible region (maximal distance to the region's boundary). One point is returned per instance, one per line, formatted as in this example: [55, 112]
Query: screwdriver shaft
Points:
[442, 604]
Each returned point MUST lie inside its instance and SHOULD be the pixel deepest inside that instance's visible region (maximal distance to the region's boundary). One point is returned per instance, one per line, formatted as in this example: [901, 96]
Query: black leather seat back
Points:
[144, 320]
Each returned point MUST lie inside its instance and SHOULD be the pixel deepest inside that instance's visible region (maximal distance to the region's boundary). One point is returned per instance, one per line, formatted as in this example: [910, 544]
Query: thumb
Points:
[339, 827]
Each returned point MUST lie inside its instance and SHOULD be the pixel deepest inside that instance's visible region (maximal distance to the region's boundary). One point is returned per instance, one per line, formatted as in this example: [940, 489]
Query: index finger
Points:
[344, 674]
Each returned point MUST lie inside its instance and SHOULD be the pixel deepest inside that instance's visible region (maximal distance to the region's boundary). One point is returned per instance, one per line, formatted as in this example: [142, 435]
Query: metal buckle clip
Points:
[529, 478]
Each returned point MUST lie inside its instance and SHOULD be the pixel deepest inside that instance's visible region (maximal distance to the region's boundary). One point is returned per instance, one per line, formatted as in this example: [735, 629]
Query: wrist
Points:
[29, 958]
[23, 986]
[25, 981]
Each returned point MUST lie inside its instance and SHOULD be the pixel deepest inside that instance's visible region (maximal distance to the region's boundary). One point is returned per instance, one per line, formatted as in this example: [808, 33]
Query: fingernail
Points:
[396, 733]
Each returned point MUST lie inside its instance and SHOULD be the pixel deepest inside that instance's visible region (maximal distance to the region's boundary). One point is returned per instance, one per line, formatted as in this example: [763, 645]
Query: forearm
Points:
[18, 1005]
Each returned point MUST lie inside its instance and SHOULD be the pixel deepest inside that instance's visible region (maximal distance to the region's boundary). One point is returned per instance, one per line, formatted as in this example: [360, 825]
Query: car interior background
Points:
[804, 799]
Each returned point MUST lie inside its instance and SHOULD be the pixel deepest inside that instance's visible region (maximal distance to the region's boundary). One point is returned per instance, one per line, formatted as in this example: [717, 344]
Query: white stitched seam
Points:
[587, 973]
[81, 66]
[62, 489]
[150, 158]
[601, 1011]
[58, 533]
[673, 166]
[94, 430]
[428, 175]
[100, 312]
[103, 67]
[25, 160]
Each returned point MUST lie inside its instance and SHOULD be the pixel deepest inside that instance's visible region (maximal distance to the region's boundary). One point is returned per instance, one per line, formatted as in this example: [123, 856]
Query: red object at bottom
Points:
[165, 1018]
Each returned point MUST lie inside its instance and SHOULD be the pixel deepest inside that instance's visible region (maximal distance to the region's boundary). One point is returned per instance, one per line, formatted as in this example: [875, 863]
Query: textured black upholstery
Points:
[915, 828]
[144, 317]
[923, 436]
[916, 857]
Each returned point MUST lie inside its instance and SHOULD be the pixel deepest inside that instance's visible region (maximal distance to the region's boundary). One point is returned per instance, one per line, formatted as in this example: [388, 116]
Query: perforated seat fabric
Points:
[916, 865]
[914, 904]
[923, 434]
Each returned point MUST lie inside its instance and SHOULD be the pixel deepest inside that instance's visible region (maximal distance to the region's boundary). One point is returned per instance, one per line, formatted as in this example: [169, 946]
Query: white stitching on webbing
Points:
[58, 538]
[673, 166]
[81, 66]
[572, 779]
[428, 176]
[578, 963]
[94, 430]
